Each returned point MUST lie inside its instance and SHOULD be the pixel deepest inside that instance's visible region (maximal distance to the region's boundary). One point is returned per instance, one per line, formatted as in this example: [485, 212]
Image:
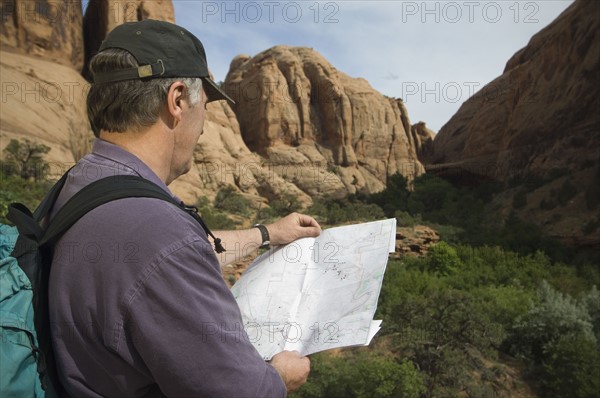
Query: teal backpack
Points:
[18, 367]
[27, 367]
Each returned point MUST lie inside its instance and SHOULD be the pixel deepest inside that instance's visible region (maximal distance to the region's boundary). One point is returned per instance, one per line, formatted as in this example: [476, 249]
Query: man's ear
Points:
[175, 97]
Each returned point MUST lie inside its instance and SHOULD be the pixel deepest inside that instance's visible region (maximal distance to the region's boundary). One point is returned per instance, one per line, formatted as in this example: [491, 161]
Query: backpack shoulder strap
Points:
[27, 223]
[107, 190]
[98, 193]
[50, 199]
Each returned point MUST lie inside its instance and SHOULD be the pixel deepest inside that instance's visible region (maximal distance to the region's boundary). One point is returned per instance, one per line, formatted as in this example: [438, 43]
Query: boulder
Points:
[51, 30]
[326, 132]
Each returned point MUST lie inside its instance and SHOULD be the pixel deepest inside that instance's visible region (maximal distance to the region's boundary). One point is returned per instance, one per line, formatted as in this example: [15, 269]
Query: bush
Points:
[25, 191]
[557, 315]
[285, 205]
[231, 201]
[27, 158]
[361, 374]
[442, 259]
[394, 197]
[404, 219]
[213, 218]
[434, 197]
[504, 304]
[336, 211]
[571, 368]
[591, 301]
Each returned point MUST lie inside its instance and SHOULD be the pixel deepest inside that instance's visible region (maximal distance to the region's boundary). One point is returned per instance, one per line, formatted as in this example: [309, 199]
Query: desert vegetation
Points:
[496, 309]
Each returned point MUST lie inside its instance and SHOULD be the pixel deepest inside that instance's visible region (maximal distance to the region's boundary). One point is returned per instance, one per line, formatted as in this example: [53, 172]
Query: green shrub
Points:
[27, 158]
[361, 374]
[591, 301]
[404, 219]
[213, 218]
[336, 211]
[504, 304]
[556, 315]
[231, 201]
[442, 259]
[570, 368]
[434, 197]
[394, 197]
[17, 189]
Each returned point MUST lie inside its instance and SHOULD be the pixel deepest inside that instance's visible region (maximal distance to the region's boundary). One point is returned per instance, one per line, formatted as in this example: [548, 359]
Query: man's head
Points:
[134, 69]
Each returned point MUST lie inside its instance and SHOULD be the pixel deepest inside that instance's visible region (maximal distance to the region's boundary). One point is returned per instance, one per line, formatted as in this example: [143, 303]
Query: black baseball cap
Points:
[162, 49]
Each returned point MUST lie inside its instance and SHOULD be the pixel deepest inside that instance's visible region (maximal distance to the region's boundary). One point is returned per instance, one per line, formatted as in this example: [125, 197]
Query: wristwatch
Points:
[264, 233]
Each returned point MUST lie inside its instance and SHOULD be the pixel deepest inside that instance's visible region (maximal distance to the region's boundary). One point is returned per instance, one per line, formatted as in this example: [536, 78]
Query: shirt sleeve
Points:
[186, 326]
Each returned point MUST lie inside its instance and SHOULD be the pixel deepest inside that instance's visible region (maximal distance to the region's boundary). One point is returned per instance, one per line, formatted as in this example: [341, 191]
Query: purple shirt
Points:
[138, 303]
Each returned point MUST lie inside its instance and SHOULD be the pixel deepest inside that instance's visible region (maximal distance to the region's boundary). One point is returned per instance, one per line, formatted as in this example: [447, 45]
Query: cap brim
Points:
[214, 93]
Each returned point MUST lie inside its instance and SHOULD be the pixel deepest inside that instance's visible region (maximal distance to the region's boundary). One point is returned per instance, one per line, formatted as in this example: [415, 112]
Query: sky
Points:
[432, 54]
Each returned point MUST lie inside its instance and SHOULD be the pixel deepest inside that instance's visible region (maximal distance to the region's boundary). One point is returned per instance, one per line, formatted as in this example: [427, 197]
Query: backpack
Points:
[27, 366]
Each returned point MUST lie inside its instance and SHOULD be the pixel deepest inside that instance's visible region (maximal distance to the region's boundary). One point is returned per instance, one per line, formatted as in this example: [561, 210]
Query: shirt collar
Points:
[128, 161]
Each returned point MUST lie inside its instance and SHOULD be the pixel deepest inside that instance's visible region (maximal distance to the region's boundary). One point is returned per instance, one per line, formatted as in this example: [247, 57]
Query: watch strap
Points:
[264, 233]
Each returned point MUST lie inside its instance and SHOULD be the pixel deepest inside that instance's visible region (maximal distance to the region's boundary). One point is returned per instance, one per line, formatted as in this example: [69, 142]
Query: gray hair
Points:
[129, 104]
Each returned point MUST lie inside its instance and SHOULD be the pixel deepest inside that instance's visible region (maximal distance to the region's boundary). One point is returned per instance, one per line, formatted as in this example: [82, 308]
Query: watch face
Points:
[265, 245]
[264, 233]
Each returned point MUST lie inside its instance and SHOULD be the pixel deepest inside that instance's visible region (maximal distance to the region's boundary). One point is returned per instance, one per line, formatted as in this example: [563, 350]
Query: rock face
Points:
[319, 131]
[102, 16]
[422, 140]
[546, 102]
[222, 158]
[43, 94]
[46, 29]
[539, 122]
[45, 102]
[327, 133]
[415, 241]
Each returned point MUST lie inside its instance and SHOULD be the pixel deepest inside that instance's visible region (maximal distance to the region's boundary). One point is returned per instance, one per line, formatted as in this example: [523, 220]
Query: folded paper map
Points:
[319, 293]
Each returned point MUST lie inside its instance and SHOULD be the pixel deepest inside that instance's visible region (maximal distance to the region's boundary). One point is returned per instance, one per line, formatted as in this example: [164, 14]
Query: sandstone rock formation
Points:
[43, 94]
[46, 29]
[324, 131]
[545, 101]
[102, 16]
[415, 241]
[422, 140]
[538, 120]
[222, 158]
[44, 102]
[337, 136]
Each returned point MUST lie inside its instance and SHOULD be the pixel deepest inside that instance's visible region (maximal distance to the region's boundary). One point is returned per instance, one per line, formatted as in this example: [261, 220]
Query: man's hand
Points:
[292, 368]
[291, 227]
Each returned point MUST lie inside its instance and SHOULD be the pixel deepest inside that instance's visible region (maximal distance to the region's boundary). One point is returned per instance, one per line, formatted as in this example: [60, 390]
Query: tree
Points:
[27, 157]
[394, 197]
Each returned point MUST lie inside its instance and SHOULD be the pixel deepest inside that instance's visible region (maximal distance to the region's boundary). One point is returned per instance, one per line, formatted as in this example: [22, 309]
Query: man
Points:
[137, 302]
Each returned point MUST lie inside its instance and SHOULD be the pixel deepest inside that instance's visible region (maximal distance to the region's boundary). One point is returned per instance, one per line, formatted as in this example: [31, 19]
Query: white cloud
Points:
[395, 45]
